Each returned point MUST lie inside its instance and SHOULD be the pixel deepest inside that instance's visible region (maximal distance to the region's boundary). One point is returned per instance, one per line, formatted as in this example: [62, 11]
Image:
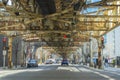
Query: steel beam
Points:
[91, 16]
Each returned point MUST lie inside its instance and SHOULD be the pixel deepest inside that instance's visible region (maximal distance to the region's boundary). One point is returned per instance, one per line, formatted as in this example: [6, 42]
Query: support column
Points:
[22, 53]
[41, 55]
[10, 39]
[91, 54]
[100, 54]
[99, 57]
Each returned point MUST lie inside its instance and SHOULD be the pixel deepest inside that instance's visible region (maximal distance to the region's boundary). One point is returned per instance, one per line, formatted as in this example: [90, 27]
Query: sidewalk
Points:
[13, 68]
[112, 69]
[6, 71]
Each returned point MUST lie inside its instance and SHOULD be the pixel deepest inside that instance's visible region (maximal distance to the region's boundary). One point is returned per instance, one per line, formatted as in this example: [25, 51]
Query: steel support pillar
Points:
[10, 40]
[100, 54]
[99, 57]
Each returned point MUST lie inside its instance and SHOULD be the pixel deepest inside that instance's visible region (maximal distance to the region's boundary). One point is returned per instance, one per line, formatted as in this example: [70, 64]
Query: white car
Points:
[50, 61]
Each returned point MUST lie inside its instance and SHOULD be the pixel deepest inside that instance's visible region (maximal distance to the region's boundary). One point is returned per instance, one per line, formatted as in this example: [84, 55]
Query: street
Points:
[58, 72]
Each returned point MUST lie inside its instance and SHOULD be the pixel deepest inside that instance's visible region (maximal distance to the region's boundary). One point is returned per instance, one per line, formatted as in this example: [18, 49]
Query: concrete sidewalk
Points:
[112, 69]
[13, 68]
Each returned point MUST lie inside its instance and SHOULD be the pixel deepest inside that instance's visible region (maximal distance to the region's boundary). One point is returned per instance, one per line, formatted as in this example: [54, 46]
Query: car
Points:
[65, 62]
[50, 61]
[32, 63]
[58, 61]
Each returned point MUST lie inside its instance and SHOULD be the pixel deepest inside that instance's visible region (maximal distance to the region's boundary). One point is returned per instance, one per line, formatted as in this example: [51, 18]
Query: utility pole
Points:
[4, 55]
[4, 50]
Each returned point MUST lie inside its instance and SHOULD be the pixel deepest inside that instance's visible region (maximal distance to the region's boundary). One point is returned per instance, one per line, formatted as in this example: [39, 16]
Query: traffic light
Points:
[66, 36]
[4, 39]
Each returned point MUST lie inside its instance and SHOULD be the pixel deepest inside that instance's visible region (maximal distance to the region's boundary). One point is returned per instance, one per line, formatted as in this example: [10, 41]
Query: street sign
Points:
[4, 52]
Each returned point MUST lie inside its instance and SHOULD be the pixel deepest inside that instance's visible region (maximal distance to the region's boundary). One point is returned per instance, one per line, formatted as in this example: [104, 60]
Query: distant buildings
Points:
[112, 43]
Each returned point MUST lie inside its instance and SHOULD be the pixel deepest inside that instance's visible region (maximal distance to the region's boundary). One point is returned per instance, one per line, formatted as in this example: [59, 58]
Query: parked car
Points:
[32, 63]
[65, 62]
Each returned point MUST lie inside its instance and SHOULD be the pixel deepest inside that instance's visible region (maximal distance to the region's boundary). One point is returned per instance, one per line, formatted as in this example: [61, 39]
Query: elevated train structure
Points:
[61, 24]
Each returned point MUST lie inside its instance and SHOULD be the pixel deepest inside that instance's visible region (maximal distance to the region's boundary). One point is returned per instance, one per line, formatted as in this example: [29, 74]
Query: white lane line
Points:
[33, 70]
[74, 69]
[105, 76]
[63, 68]
[84, 70]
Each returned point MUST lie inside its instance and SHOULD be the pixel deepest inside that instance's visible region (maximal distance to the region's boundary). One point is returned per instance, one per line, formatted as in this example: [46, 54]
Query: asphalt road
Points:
[57, 72]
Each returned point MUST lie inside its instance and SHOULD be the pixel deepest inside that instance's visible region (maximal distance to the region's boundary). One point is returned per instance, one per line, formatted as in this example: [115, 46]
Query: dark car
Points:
[65, 62]
[32, 63]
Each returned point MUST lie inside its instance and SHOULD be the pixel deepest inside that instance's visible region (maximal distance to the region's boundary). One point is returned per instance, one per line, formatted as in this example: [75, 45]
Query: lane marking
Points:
[105, 76]
[74, 69]
[34, 70]
[84, 70]
[63, 68]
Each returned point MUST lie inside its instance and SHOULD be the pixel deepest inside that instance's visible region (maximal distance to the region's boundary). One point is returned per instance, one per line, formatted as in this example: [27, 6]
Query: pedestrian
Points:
[95, 63]
[106, 62]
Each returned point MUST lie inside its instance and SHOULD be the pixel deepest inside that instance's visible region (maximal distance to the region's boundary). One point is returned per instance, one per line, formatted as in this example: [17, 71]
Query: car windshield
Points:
[32, 61]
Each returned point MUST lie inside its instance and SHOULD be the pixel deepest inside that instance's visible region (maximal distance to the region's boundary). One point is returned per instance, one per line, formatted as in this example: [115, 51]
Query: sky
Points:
[9, 2]
[92, 9]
